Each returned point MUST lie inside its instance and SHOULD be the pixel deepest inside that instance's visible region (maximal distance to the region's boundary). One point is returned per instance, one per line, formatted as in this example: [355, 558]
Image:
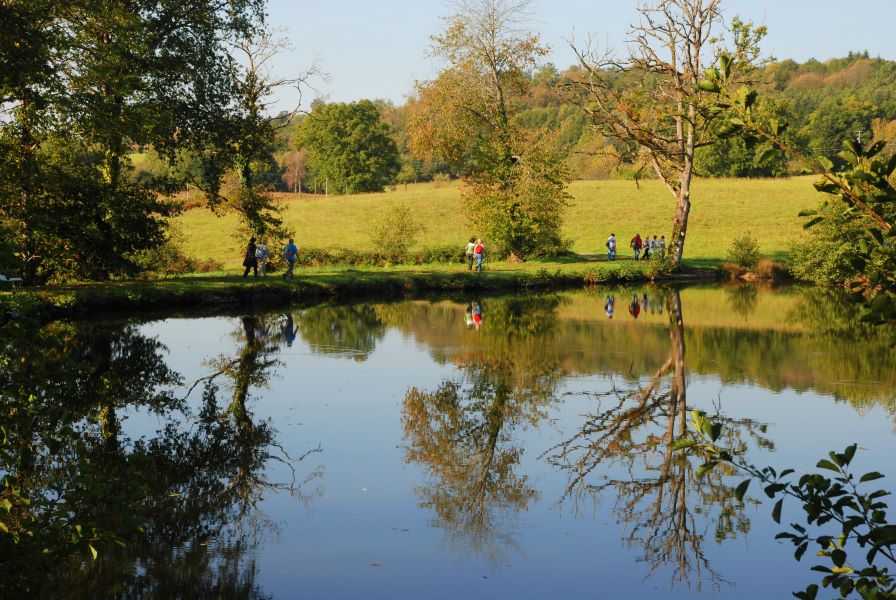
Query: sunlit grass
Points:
[722, 209]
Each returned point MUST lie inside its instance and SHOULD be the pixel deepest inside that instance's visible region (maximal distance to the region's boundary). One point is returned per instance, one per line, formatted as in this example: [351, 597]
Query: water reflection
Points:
[622, 450]
[173, 514]
[351, 331]
[463, 432]
[493, 433]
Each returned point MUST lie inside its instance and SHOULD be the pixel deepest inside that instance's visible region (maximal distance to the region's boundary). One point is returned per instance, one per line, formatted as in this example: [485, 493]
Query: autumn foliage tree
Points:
[514, 185]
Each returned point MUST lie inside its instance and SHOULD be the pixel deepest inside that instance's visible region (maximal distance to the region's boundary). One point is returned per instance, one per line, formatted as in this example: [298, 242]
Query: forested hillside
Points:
[824, 102]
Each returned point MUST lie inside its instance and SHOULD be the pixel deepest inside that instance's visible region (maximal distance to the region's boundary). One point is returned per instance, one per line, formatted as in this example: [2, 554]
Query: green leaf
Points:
[682, 443]
[726, 130]
[776, 511]
[741, 489]
[824, 163]
[725, 64]
[870, 476]
[766, 154]
[708, 85]
[849, 157]
[838, 557]
[93, 551]
[746, 97]
[875, 149]
[807, 212]
[812, 222]
[848, 454]
[891, 166]
[706, 468]
[801, 549]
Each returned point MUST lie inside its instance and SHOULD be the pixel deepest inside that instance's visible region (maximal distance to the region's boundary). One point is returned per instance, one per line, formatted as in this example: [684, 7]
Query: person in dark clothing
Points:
[250, 261]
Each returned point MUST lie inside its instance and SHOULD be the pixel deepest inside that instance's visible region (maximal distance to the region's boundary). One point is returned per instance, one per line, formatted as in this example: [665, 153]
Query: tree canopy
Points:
[350, 146]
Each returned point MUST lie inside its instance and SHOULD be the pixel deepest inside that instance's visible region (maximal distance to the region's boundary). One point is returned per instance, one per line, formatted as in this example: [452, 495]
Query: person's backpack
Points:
[477, 249]
[608, 243]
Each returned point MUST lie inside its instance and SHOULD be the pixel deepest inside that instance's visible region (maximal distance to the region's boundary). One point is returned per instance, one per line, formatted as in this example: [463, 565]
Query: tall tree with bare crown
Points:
[653, 99]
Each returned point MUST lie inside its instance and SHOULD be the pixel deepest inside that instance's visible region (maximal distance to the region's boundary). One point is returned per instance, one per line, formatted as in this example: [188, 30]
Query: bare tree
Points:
[296, 165]
[655, 98]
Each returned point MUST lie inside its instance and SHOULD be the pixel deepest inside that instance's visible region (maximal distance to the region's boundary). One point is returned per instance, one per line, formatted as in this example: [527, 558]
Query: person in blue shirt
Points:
[289, 255]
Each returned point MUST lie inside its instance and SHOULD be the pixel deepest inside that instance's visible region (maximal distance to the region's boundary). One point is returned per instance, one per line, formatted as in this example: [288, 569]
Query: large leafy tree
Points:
[90, 80]
[515, 185]
[244, 142]
[859, 205]
[350, 146]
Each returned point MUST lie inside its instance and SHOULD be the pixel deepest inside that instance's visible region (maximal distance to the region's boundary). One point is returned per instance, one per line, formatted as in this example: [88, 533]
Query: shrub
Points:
[395, 232]
[772, 270]
[657, 265]
[628, 272]
[824, 257]
[440, 180]
[317, 257]
[744, 251]
[170, 259]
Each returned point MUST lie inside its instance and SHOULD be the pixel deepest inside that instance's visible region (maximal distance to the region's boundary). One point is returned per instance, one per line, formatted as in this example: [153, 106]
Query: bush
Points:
[317, 257]
[170, 259]
[744, 251]
[440, 180]
[395, 232]
[824, 257]
[657, 265]
[629, 272]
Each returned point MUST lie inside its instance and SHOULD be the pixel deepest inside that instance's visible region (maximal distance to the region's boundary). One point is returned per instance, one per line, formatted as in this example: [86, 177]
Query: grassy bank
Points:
[722, 209]
[213, 291]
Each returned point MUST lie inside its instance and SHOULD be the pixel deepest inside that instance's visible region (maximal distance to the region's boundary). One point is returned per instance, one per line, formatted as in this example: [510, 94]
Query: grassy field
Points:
[721, 210]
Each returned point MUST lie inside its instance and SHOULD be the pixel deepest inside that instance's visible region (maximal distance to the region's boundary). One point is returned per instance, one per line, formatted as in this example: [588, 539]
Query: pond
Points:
[447, 447]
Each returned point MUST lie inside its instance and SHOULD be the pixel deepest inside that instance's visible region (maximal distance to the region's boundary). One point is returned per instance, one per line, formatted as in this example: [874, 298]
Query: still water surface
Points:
[463, 447]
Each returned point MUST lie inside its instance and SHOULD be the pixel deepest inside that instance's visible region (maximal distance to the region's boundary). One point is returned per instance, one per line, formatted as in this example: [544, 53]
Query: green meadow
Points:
[721, 210]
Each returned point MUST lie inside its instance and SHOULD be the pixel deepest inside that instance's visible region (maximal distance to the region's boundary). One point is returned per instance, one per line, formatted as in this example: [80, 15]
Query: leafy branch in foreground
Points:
[860, 196]
[834, 501]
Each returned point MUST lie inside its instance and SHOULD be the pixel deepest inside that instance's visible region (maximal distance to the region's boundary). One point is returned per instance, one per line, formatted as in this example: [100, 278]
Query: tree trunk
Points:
[680, 225]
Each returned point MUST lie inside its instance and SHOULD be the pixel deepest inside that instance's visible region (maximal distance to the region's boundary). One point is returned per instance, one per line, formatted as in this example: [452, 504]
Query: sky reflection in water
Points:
[517, 445]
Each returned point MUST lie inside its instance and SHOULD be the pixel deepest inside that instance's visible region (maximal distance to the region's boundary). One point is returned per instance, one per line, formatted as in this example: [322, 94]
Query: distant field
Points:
[722, 209]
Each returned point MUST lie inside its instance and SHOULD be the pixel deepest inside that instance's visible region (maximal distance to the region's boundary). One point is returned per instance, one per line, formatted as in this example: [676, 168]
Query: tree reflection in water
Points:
[668, 510]
[352, 330]
[171, 515]
[463, 432]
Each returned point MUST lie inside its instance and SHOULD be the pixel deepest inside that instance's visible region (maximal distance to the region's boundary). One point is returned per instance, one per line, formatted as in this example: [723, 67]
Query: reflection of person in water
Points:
[634, 309]
[261, 331]
[288, 330]
[645, 303]
[610, 305]
[468, 316]
[477, 315]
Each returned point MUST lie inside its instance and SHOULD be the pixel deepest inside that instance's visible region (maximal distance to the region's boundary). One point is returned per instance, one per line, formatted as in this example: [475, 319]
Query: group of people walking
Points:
[258, 255]
[474, 253]
[643, 249]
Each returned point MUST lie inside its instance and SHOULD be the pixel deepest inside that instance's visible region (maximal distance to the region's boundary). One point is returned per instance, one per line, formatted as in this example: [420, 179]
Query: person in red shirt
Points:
[636, 244]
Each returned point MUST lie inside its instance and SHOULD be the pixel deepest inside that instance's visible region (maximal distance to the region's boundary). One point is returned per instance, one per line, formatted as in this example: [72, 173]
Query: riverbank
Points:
[229, 291]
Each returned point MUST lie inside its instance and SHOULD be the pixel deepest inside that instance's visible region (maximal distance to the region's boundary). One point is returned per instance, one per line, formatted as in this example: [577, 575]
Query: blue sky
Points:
[377, 49]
